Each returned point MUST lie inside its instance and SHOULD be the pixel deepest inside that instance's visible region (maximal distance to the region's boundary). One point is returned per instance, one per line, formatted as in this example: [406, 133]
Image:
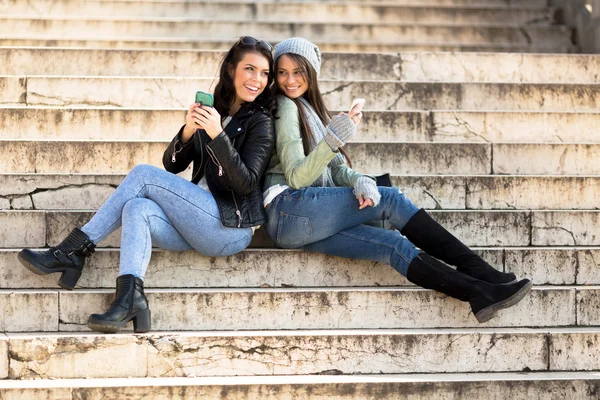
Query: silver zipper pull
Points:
[220, 171]
[239, 214]
[173, 157]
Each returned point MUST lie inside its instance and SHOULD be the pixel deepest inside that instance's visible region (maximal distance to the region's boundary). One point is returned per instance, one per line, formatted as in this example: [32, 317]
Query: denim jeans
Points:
[157, 207]
[328, 220]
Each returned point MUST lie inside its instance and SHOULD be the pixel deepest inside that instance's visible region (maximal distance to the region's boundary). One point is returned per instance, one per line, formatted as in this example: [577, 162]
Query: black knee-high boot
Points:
[485, 298]
[130, 303]
[425, 233]
[68, 257]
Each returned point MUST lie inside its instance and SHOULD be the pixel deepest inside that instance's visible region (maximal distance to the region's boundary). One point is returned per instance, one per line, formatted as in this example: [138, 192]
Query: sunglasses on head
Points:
[250, 41]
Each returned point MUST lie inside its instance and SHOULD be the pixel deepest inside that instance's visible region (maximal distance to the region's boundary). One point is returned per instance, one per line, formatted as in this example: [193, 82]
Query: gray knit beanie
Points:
[302, 47]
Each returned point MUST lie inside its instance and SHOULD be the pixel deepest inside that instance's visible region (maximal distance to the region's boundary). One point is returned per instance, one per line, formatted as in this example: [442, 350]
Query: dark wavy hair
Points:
[224, 93]
[314, 98]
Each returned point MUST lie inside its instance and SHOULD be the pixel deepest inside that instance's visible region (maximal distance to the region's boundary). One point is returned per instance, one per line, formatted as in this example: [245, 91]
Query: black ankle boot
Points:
[130, 303]
[425, 233]
[485, 298]
[68, 257]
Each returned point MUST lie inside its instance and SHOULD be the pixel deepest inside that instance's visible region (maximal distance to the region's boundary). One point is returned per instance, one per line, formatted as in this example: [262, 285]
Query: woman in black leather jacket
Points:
[215, 214]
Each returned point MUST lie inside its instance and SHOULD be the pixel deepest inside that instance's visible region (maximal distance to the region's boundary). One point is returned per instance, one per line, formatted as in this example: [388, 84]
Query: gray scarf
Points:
[319, 131]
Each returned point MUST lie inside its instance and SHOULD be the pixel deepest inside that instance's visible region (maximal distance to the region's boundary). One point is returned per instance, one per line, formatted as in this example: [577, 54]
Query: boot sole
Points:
[490, 312]
[141, 325]
[67, 280]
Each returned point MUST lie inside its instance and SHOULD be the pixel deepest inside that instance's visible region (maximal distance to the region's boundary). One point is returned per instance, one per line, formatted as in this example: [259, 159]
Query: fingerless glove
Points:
[368, 188]
[339, 130]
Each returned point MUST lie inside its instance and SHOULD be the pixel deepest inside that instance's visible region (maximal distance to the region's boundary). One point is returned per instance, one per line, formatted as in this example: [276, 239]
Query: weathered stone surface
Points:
[575, 351]
[3, 359]
[492, 386]
[176, 92]
[28, 310]
[253, 353]
[77, 356]
[408, 66]
[589, 265]
[489, 228]
[190, 355]
[546, 159]
[420, 158]
[588, 303]
[90, 123]
[22, 203]
[559, 228]
[22, 229]
[533, 192]
[12, 91]
[545, 267]
[327, 308]
[274, 31]
[433, 192]
[279, 11]
[4, 203]
[516, 126]
[204, 44]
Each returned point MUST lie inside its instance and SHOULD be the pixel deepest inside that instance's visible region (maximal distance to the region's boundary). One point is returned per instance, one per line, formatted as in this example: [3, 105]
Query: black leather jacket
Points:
[233, 162]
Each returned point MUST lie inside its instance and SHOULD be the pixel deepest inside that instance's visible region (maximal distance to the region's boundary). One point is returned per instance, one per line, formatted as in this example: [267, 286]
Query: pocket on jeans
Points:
[293, 231]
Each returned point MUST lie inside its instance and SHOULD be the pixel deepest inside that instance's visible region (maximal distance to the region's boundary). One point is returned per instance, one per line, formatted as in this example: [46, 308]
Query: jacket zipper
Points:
[237, 210]
[214, 159]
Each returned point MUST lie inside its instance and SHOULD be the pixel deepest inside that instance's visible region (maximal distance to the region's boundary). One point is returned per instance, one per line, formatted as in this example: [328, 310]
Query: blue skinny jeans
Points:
[154, 206]
[328, 220]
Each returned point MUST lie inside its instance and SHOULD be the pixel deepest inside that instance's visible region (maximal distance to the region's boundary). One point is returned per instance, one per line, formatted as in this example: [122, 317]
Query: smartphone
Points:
[205, 99]
[357, 106]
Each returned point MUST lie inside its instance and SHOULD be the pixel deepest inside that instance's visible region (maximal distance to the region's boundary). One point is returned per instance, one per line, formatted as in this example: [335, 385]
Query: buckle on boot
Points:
[57, 253]
[88, 249]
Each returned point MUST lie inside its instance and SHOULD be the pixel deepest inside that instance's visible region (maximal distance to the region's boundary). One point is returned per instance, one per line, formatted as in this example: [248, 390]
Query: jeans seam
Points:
[376, 242]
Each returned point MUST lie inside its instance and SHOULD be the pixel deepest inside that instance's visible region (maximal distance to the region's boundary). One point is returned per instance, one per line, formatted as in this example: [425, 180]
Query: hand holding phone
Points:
[357, 107]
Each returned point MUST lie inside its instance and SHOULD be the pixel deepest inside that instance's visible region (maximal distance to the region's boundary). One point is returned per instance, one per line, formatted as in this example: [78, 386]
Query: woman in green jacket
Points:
[316, 202]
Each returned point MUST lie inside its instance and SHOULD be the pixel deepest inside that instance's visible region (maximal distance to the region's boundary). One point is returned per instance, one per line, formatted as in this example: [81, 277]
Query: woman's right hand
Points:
[191, 123]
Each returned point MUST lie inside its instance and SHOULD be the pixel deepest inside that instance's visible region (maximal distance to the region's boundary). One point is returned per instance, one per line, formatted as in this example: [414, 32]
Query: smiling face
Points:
[250, 78]
[291, 78]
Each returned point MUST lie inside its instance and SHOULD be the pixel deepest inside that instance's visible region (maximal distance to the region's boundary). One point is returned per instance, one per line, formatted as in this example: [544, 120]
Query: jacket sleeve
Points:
[343, 175]
[242, 171]
[300, 171]
[178, 156]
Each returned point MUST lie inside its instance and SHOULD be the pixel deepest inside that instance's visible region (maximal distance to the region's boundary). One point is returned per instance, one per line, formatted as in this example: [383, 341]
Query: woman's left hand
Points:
[209, 120]
[364, 203]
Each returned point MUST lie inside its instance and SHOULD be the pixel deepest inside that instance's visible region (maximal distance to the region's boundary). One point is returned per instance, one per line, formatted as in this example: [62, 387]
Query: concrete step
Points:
[60, 123]
[447, 192]
[279, 11]
[165, 92]
[108, 157]
[35, 310]
[20, 229]
[409, 66]
[197, 354]
[492, 386]
[294, 268]
[119, 28]
[340, 46]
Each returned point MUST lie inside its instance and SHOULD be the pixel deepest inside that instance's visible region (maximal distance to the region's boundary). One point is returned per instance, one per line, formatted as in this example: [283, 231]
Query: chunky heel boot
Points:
[485, 298]
[68, 257]
[130, 303]
[425, 233]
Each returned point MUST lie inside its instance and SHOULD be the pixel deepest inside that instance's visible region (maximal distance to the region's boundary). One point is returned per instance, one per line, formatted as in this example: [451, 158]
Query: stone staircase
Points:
[501, 146]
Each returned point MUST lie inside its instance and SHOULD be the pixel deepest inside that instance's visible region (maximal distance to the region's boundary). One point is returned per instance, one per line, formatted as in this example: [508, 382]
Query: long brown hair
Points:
[314, 98]
[225, 90]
